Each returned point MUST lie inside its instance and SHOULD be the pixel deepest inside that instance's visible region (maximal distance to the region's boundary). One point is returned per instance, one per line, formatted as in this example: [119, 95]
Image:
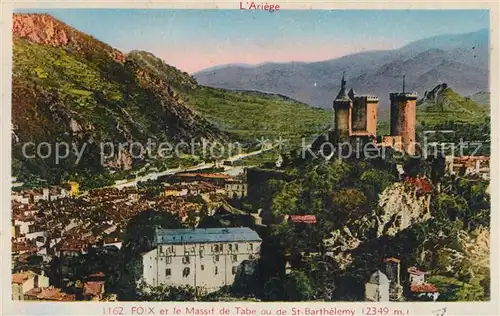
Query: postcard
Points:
[250, 158]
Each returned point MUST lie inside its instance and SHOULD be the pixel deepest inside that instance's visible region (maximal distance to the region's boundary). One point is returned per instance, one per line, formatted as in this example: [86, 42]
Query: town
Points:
[207, 238]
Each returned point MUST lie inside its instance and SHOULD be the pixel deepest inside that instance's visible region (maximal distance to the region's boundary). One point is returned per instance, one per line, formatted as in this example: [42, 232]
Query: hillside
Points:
[70, 87]
[247, 115]
[460, 60]
[442, 104]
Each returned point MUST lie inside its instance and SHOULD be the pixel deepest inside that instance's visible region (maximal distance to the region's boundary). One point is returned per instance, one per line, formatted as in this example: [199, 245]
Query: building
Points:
[235, 188]
[356, 118]
[354, 115]
[302, 219]
[416, 276]
[205, 258]
[469, 165]
[74, 188]
[48, 294]
[23, 282]
[377, 288]
[404, 118]
[393, 272]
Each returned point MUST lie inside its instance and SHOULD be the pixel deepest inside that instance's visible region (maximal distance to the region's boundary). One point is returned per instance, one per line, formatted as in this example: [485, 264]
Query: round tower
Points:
[342, 106]
[403, 119]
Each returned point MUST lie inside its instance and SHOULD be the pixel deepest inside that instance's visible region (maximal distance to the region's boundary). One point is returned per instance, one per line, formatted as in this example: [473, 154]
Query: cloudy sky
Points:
[193, 40]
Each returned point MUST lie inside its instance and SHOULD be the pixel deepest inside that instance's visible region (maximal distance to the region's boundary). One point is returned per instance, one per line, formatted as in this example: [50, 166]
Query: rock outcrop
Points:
[400, 206]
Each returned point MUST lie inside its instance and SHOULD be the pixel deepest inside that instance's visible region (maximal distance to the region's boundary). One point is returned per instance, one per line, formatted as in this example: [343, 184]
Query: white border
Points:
[89, 308]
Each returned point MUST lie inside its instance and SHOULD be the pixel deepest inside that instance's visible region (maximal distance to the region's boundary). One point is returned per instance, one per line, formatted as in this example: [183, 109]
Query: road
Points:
[155, 175]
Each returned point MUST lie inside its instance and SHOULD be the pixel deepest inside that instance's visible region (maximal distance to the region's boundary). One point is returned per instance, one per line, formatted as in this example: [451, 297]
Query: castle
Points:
[356, 116]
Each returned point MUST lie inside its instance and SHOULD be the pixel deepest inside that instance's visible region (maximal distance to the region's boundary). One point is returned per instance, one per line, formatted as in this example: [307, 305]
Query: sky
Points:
[192, 40]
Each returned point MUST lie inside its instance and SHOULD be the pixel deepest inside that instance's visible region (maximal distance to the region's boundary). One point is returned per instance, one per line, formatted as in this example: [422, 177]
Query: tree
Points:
[298, 287]
[165, 292]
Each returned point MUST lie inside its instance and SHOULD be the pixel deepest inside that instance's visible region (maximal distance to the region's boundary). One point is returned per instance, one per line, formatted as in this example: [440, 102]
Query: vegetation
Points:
[449, 106]
[82, 96]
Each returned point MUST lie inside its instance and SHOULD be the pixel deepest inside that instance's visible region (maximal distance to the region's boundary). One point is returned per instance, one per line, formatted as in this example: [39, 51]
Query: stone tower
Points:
[393, 271]
[342, 106]
[377, 288]
[404, 117]
[364, 114]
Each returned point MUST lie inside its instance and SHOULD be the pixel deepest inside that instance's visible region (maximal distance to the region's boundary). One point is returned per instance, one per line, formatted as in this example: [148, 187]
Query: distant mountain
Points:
[460, 60]
[481, 97]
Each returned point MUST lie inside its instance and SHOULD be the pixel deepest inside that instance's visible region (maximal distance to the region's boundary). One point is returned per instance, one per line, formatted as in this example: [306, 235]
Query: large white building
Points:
[205, 258]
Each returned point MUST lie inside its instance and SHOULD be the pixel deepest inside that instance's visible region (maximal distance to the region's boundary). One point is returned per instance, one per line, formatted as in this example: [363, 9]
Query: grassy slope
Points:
[251, 117]
[246, 115]
[451, 107]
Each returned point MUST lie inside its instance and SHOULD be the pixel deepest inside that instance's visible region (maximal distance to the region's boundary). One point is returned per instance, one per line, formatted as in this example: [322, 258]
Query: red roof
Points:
[424, 288]
[93, 288]
[308, 219]
[420, 183]
[98, 274]
[415, 271]
[52, 294]
[392, 259]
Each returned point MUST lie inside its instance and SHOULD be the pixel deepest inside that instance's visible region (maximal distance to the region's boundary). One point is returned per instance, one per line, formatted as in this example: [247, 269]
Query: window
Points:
[234, 270]
[234, 258]
[216, 270]
[185, 272]
[216, 258]
[185, 260]
[202, 253]
[250, 246]
[230, 247]
[236, 247]
[216, 248]
[202, 268]
[169, 260]
[221, 248]
[168, 272]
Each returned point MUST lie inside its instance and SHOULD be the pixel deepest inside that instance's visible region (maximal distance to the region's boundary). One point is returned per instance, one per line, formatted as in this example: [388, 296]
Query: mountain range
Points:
[69, 87]
[462, 61]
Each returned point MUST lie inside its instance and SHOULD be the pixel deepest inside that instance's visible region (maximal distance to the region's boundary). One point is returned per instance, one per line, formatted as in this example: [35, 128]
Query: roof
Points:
[19, 278]
[93, 288]
[204, 175]
[415, 271]
[379, 278]
[424, 288]
[392, 259]
[51, 293]
[205, 235]
[309, 219]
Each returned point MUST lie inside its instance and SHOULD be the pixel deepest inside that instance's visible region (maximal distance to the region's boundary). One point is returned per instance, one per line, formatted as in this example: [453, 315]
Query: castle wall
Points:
[359, 109]
[371, 117]
[403, 119]
[342, 119]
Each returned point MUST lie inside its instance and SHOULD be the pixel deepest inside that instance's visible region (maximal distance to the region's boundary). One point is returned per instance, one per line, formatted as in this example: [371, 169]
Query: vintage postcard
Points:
[249, 158]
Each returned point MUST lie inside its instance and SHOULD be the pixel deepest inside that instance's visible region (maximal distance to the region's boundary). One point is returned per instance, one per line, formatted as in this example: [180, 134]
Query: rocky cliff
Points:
[69, 87]
[400, 206]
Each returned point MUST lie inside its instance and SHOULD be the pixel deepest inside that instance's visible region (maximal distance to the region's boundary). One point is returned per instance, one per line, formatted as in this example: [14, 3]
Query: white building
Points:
[206, 258]
[377, 288]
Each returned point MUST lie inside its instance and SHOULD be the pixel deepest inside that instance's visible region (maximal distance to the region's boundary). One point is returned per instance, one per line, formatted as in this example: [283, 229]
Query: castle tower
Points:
[393, 271]
[364, 114]
[404, 117]
[342, 106]
[377, 288]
